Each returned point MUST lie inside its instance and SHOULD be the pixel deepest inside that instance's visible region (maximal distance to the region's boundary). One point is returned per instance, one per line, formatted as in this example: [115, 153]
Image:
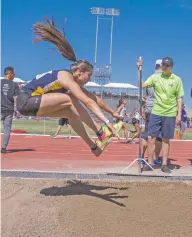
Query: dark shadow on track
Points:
[173, 166]
[19, 150]
[169, 164]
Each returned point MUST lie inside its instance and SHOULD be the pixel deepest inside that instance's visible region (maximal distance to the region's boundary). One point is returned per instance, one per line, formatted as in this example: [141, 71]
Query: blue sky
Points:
[152, 29]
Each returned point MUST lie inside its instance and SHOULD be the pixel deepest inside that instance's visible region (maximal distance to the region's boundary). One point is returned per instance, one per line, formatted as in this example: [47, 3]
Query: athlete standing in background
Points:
[62, 122]
[122, 111]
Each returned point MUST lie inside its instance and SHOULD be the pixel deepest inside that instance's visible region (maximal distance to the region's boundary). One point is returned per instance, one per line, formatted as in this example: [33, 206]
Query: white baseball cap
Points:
[158, 62]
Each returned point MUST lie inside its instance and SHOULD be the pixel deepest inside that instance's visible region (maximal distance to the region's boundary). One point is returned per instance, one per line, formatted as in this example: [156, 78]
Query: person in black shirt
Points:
[9, 90]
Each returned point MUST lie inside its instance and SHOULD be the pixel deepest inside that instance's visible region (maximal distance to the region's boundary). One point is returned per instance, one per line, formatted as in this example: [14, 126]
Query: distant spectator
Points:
[183, 124]
[136, 117]
[188, 122]
[9, 90]
[122, 111]
[62, 122]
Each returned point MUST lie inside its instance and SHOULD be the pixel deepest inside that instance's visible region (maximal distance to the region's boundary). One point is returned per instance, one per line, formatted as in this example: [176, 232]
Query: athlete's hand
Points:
[111, 128]
[178, 120]
[116, 115]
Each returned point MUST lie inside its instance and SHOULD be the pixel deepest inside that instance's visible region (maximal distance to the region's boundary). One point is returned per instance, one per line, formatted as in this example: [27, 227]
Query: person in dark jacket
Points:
[9, 90]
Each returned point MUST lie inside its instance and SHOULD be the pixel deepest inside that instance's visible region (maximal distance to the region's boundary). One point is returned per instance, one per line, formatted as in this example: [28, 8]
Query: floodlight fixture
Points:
[98, 10]
[112, 12]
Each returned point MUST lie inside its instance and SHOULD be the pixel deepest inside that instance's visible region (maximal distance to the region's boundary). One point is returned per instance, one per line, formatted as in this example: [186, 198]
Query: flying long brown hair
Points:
[48, 32]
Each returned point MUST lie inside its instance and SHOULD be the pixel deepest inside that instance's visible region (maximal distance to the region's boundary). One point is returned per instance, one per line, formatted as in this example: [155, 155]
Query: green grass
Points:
[187, 135]
[49, 127]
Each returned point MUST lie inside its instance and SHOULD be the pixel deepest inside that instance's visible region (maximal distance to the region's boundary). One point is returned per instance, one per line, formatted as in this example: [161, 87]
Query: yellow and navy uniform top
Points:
[44, 83]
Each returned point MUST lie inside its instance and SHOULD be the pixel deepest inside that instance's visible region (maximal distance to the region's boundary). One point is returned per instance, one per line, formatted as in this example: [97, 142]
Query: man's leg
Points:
[144, 147]
[168, 129]
[154, 130]
[158, 148]
[7, 124]
[151, 149]
[165, 148]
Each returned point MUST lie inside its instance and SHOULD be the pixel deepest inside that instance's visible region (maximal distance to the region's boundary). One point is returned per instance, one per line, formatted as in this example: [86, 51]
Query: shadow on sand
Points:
[84, 188]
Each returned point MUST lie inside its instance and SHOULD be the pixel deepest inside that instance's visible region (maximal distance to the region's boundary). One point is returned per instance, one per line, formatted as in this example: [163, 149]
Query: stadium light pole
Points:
[97, 11]
[109, 12]
[112, 12]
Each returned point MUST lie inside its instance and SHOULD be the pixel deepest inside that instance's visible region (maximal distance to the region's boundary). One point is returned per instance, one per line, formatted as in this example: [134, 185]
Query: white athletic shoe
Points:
[130, 142]
[54, 136]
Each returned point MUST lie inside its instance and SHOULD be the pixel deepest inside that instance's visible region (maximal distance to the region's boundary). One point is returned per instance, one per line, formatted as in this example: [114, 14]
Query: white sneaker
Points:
[54, 136]
[130, 142]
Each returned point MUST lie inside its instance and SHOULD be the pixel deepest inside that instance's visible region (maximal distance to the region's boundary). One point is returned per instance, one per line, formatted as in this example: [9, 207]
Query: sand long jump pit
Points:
[55, 208]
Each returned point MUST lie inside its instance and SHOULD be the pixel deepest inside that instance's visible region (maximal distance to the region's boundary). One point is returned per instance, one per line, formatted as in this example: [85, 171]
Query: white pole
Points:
[141, 121]
[96, 43]
[140, 158]
[111, 42]
[96, 40]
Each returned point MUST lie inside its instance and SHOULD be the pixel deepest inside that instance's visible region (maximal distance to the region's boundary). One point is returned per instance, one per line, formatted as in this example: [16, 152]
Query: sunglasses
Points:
[166, 65]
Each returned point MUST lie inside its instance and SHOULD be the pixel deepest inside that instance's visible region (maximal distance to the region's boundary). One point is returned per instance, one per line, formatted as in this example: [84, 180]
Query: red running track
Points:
[46, 154]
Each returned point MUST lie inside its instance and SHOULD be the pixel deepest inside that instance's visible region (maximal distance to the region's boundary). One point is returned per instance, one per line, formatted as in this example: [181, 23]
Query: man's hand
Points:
[178, 120]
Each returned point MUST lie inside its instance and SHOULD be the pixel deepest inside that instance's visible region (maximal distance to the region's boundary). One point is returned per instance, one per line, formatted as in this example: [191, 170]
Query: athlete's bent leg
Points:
[60, 105]
[85, 117]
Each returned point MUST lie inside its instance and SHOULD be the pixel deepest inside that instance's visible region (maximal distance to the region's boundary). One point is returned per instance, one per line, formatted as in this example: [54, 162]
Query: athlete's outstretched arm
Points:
[67, 81]
[101, 104]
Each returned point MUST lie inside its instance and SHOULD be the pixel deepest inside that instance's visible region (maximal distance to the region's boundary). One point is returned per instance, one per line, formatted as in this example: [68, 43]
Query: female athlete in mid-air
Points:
[57, 93]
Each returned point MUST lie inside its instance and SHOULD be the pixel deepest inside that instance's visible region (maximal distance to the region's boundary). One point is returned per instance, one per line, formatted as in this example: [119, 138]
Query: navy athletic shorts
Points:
[28, 105]
[145, 134]
[161, 125]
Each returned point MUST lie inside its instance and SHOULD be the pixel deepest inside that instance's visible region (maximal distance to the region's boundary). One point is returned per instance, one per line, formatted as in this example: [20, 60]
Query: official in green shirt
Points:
[166, 110]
